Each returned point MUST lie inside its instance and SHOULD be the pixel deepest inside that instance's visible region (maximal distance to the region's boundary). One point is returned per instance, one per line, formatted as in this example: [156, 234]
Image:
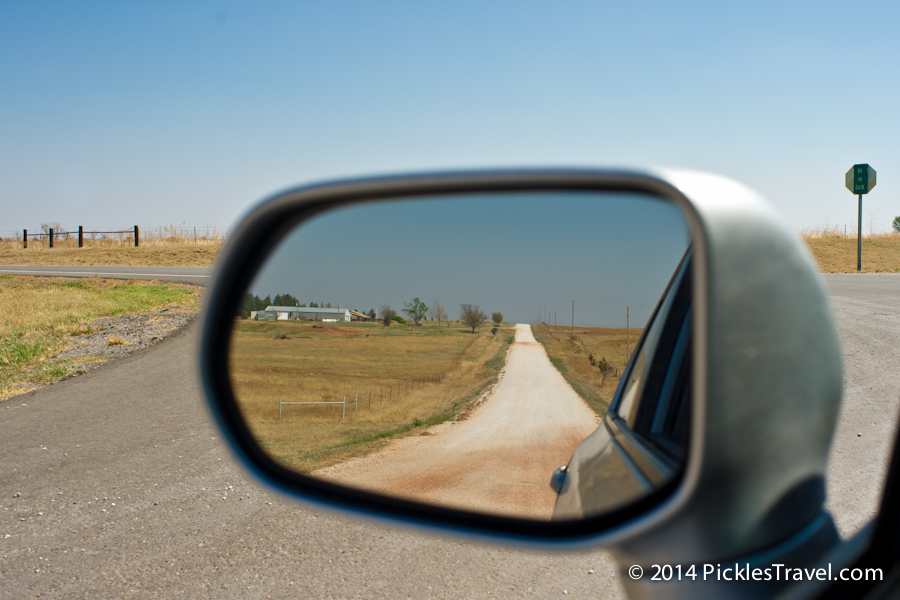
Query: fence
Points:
[281, 403]
[403, 386]
[167, 235]
[65, 235]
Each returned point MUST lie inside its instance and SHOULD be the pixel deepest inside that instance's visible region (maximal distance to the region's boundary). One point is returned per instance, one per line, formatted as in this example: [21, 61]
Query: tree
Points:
[470, 315]
[415, 310]
[437, 311]
[896, 224]
[285, 300]
[372, 313]
[387, 313]
[497, 318]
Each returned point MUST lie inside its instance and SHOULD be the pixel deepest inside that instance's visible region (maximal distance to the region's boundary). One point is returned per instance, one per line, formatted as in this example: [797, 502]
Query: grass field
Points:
[833, 252]
[407, 378]
[171, 245]
[185, 255]
[571, 355]
[836, 253]
[39, 314]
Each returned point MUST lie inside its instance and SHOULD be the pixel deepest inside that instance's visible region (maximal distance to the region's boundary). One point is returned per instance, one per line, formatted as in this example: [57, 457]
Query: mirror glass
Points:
[457, 349]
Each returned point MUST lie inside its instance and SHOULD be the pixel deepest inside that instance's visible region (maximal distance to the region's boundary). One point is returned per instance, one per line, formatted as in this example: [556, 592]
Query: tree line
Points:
[252, 302]
[470, 315]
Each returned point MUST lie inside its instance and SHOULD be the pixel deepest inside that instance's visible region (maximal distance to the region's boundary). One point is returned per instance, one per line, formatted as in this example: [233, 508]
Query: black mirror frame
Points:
[265, 226]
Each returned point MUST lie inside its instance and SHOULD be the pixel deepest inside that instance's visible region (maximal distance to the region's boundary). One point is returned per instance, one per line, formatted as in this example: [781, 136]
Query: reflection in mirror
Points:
[456, 350]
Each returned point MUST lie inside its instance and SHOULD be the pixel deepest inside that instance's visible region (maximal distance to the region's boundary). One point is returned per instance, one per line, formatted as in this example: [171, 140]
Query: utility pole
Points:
[573, 318]
[555, 330]
[627, 333]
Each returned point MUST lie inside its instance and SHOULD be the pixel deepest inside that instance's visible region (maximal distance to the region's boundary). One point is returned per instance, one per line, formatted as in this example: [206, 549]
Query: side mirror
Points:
[708, 430]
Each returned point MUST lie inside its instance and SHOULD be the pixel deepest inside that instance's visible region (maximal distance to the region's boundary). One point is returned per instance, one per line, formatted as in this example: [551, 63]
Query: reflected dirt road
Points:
[497, 460]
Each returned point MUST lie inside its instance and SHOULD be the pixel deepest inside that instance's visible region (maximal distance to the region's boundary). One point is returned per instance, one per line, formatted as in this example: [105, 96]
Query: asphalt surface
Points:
[195, 275]
[113, 484]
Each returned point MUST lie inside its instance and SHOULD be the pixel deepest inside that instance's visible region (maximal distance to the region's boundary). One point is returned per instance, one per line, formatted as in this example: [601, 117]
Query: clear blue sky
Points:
[121, 113]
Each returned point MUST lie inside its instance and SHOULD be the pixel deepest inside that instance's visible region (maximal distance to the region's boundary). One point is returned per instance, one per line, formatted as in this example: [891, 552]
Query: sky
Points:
[527, 256]
[121, 113]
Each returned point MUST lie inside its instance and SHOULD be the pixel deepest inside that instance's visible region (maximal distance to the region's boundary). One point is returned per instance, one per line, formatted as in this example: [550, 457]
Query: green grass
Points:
[39, 315]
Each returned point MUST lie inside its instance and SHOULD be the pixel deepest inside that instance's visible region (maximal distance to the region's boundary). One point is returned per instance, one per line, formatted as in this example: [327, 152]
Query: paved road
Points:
[195, 275]
[122, 486]
[498, 460]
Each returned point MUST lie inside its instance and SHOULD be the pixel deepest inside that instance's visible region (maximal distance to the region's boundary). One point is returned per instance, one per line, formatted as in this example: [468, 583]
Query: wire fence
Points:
[47, 237]
[403, 386]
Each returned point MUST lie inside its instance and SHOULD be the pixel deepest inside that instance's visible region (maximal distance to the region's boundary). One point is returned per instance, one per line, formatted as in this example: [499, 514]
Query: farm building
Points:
[358, 316]
[303, 313]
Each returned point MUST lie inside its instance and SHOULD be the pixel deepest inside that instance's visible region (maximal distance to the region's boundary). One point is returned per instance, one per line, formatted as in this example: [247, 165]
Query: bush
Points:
[603, 365]
[493, 330]
[400, 320]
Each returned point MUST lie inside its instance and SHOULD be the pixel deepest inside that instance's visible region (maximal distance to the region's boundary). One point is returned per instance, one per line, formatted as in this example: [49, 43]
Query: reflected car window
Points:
[662, 333]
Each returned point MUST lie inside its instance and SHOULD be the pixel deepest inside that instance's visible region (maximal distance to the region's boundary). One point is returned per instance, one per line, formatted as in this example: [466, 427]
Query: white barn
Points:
[303, 313]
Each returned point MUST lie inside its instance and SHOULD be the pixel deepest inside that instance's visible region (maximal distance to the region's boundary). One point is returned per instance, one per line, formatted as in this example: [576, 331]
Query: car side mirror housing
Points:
[763, 360]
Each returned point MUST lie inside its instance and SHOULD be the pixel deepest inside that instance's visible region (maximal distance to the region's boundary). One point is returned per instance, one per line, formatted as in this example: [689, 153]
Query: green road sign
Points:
[860, 179]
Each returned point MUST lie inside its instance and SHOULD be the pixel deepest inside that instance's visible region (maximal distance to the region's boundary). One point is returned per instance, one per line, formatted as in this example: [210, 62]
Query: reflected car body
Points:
[640, 445]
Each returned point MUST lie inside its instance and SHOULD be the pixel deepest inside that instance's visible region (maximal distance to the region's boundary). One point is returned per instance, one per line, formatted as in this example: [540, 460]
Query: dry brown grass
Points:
[171, 245]
[150, 256]
[836, 253]
[39, 314]
[406, 377]
[115, 340]
[571, 355]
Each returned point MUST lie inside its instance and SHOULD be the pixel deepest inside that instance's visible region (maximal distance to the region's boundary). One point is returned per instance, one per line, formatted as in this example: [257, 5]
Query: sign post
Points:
[860, 179]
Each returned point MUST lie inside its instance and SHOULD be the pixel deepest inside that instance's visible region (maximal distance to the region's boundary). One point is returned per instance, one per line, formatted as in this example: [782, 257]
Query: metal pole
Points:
[136, 237]
[25, 238]
[80, 236]
[51, 229]
[858, 238]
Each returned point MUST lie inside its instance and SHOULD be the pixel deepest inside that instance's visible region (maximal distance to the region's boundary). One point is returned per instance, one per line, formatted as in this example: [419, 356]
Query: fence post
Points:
[356, 403]
[370, 400]
[280, 398]
[80, 236]
[344, 408]
[136, 237]
[25, 238]
[51, 237]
